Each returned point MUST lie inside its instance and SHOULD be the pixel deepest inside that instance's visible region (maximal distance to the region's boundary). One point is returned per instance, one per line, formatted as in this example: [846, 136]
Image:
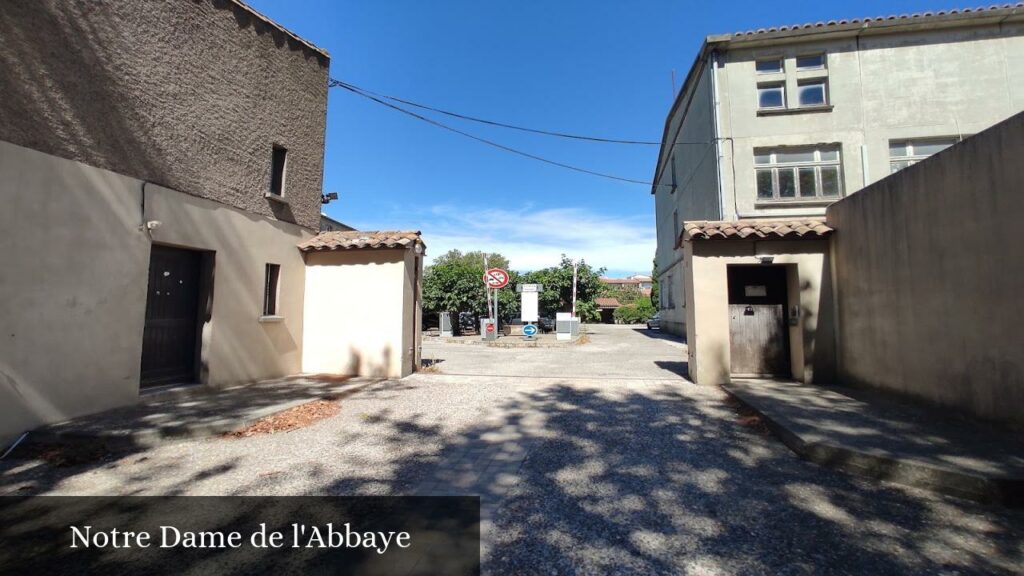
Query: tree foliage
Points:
[455, 283]
[636, 313]
[557, 294]
[655, 285]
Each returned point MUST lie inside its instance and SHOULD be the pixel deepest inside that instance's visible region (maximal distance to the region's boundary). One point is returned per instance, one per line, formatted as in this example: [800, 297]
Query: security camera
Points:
[153, 224]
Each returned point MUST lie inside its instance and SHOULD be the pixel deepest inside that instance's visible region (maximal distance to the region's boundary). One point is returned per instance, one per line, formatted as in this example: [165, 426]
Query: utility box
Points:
[446, 325]
[488, 329]
[566, 326]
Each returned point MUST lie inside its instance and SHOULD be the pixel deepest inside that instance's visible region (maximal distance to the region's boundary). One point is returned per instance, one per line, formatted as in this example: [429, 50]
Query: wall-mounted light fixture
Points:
[326, 198]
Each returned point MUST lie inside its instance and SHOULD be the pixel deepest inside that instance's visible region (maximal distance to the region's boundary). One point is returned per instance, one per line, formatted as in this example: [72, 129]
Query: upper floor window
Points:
[795, 174]
[771, 96]
[903, 153]
[812, 92]
[279, 161]
[802, 86]
[772, 66]
[815, 62]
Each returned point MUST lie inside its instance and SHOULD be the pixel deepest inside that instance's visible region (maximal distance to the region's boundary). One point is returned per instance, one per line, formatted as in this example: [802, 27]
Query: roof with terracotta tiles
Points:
[355, 240]
[607, 302]
[753, 229]
[893, 19]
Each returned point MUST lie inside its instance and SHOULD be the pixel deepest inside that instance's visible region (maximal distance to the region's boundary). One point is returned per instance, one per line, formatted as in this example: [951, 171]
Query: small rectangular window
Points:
[769, 66]
[808, 182]
[765, 185]
[830, 181]
[771, 96]
[279, 160]
[812, 93]
[815, 62]
[270, 289]
[787, 183]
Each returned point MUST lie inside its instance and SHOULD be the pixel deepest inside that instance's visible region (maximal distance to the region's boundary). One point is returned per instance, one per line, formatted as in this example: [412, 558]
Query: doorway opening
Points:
[170, 340]
[758, 321]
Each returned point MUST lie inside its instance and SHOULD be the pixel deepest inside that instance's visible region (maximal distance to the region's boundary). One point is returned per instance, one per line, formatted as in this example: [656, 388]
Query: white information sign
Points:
[529, 306]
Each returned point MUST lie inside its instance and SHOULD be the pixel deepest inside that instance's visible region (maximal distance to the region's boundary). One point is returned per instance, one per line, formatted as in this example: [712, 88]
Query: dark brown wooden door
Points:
[172, 305]
[758, 333]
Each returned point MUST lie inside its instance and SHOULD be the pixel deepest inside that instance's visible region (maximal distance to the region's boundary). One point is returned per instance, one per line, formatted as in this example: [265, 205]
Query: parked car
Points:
[654, 322]
[546, 324]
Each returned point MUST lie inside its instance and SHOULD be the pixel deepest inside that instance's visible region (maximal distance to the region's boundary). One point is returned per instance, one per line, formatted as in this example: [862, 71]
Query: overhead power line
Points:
[433, 122]
[355, 88]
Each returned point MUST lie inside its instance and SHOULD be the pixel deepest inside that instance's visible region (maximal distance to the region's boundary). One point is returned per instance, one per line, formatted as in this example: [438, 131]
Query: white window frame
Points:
[823, 81]
[781, 86]
[823, 66]
[781, 61]
[912, 157]
[817, 164]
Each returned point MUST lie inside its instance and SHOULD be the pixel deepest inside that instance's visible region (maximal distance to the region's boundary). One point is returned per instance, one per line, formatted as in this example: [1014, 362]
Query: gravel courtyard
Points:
[599, 458]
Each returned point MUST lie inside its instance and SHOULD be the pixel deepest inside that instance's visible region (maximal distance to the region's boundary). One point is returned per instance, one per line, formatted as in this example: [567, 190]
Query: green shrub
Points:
[637, 313]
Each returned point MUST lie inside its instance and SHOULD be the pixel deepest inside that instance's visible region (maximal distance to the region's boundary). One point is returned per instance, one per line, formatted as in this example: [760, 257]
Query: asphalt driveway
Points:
[599, 458]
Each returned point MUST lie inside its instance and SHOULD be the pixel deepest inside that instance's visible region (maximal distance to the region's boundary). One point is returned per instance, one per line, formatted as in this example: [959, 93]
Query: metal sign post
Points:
[575, 268]
[495, 279]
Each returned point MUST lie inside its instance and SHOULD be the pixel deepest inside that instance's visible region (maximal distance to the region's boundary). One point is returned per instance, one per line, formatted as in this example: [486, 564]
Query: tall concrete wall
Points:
[929, 269]
[191, 95]
[73, 291]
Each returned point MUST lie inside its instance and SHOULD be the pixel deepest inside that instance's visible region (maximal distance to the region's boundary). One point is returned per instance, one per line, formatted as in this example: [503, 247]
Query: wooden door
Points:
[758, 332]
[172, 314]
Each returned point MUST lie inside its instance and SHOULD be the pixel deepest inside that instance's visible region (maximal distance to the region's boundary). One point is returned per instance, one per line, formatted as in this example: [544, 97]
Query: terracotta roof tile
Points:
[354, 240]
[607, 302]
[705, 230]
[908, 18]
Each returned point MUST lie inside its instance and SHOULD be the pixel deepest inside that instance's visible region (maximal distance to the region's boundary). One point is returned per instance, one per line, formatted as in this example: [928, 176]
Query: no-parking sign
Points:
[496, 278]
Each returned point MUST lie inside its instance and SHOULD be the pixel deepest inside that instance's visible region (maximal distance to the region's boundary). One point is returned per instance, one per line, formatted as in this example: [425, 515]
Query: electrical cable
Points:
[353, 87]
[357, 91]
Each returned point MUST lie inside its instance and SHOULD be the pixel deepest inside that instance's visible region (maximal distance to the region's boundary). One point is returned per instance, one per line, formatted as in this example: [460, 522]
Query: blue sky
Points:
[597, 67]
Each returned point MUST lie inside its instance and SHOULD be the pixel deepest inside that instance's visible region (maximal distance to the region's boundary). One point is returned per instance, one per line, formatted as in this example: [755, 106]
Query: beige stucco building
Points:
[362, 304]
[773, 126]
[161, 167]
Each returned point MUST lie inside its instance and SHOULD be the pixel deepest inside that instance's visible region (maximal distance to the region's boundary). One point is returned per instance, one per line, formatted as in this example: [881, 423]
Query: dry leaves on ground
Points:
[290, 419]
[747, 417]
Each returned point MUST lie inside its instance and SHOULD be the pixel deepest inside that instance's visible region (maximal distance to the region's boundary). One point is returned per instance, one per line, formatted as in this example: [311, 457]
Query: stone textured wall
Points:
[929, 268]
[188, 94]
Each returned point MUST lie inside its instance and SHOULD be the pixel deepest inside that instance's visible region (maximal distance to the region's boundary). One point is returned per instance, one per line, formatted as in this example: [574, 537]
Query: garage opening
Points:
[758, 334]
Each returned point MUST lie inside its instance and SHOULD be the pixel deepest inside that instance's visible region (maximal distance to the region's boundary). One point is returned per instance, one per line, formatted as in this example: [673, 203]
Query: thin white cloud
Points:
[533, 239]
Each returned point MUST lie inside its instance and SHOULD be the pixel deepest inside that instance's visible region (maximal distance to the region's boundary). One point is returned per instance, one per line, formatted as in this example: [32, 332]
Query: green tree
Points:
[557, 294]
[636, 313]
[455, 283]
[655, 285]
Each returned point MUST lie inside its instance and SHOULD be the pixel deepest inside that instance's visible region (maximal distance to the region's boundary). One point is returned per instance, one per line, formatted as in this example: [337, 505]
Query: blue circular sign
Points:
[530, 330]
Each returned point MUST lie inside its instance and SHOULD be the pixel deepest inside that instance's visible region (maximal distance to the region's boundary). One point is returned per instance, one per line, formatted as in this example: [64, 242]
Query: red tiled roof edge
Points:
[355, 240]
[741, 229]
